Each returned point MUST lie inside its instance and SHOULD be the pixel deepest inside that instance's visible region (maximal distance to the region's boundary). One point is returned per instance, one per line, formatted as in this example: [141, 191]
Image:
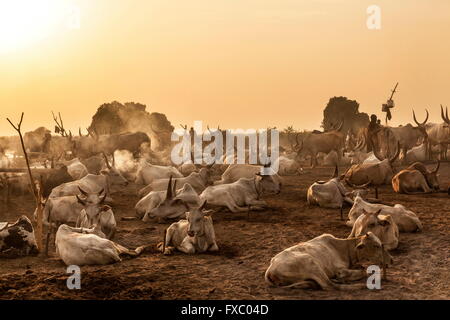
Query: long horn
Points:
[340, 126]
[437, 167]
[298, 145]
[444, 117]
[106, 160]
[417, 122]
[336, 172]
[174, 189]
[397, 153]
[82, 191]
[169, 189]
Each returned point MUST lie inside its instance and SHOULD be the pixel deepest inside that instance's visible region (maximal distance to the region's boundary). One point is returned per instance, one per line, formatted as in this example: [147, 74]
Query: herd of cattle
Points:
[79, 205]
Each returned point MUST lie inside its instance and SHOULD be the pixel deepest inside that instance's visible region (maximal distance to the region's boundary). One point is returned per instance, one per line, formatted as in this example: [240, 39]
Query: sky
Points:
[233, 63]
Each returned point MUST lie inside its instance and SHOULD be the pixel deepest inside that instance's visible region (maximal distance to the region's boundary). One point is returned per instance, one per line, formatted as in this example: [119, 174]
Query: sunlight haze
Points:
[237, 64]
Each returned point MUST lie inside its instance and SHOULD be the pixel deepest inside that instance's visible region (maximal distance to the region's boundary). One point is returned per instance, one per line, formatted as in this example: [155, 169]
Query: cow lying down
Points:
[80, 246]
[169, 204]
[384, 227]
[243, 194]
[326, 260]
[193, 235]
[17, 239]
[406, 220]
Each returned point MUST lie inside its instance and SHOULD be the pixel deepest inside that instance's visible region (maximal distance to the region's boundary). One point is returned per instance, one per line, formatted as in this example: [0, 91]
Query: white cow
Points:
[316, 262]
[103, 220]
[80, 246]
[170, 204]
[198, 180]
[193, 235]
[406, 220]
[384, 227]
[106, 180]
[288, 166]
[76, 169]
[147, 173]
[236, 171]
[330, 194]
[241, 195]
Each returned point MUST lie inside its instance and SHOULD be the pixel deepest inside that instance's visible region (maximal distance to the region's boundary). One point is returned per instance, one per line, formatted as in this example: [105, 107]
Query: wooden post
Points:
[37, 191]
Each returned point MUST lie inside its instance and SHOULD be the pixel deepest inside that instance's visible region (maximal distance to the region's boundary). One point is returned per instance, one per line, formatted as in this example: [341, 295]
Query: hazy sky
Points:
[237, 63]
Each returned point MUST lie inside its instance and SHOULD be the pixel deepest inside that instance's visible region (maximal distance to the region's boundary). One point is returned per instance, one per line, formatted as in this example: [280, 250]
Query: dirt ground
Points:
[421, 267]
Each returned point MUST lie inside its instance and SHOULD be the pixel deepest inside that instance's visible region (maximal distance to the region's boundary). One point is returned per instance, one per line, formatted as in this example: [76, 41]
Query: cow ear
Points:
[105, 208]
[80, 200]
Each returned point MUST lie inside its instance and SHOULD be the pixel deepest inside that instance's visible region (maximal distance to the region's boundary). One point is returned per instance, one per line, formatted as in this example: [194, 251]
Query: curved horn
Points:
[82, 191]
[106, 160]
[298, 145]
[444, 117]
[397, 153]
[174, 189]
[417, 122]
[335, 173]
[340, 126]
[377, 154]
[437, 167]
[102, 200]
[359, 145]
[169, 189]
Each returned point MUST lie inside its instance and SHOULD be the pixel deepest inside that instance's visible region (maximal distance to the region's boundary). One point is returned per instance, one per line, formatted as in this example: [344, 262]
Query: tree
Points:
[115, 117]
[341, 109]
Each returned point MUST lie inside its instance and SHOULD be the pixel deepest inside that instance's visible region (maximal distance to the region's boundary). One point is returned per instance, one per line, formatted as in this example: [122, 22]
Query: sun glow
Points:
[25, 22]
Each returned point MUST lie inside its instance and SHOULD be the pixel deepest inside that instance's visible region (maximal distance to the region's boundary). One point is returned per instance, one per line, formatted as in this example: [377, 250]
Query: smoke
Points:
[126, 164]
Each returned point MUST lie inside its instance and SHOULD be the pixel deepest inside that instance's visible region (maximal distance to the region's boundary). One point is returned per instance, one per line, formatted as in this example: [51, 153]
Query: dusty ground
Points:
[420, 271]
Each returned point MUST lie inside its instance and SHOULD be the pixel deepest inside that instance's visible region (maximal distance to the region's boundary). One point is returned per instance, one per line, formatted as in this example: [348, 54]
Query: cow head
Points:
[114, 176]
[421, 125]
[171, 204]
[431, 177]
[196, 220]
[370, 248]
[383, 226]
[206, 173]
[93, 204]
[268, 183]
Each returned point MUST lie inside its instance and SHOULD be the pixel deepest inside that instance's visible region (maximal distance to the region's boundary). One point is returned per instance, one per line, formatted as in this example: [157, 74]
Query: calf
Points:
[314, 263]
[406, 220]
[384, 227]
[80, 246]
[17, 239]
[193, 235]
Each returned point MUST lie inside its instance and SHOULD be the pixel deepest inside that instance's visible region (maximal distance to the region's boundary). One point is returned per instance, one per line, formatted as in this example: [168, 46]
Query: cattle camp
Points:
[186, 154]
[304, 223]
